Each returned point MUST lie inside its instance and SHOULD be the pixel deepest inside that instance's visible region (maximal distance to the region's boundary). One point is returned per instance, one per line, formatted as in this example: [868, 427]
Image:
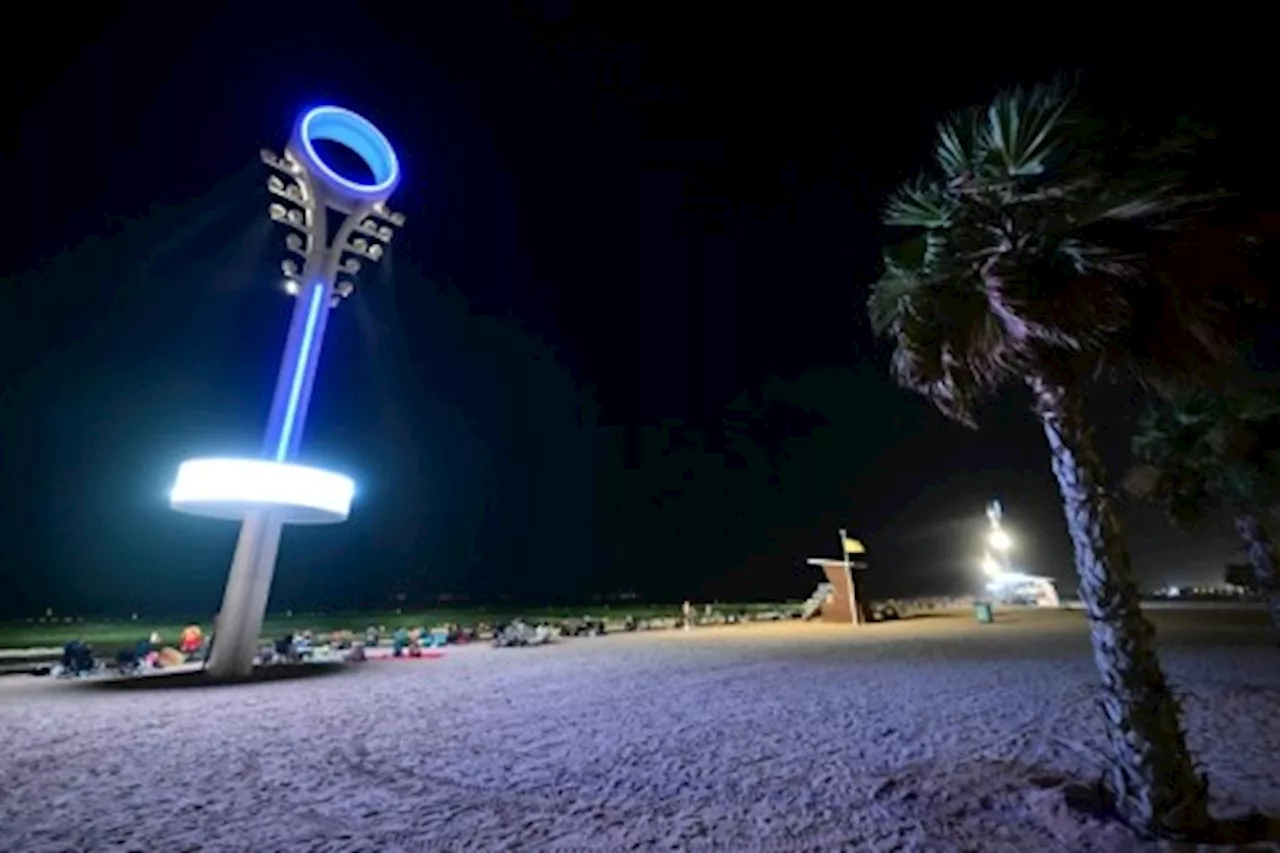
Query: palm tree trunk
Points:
[1262, 557]
[1151, 776]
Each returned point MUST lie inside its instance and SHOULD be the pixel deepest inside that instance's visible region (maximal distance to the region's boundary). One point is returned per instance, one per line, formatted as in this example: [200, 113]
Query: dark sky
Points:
[620, 344]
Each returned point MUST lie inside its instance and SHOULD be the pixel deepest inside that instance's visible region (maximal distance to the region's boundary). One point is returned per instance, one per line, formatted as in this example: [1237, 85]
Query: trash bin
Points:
[982, 610]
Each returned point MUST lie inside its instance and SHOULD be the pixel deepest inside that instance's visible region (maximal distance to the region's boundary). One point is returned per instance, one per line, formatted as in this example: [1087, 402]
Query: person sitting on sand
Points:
[284, 648]
[399, 640]
[371, 637]
[70, 652]
[133, 660]
[191, 640]
[77, 658]
[126, 660]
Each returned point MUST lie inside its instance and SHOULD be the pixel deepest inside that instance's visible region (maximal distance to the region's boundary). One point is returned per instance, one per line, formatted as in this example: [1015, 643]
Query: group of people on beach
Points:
[194, 645]
[297, 646]
[150, 652]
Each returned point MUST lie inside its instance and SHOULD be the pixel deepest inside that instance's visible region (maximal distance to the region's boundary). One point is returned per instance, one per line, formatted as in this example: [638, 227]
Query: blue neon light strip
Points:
[361, 136]
[300, 371]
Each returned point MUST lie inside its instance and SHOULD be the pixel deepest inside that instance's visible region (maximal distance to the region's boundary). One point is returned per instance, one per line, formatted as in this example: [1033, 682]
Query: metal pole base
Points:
[244, 604]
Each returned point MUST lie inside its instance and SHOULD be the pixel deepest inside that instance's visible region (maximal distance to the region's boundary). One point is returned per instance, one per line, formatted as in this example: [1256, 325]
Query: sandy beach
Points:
[926, 734]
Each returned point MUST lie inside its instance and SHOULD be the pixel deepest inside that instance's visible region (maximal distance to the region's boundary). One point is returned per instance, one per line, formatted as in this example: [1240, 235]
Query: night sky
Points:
[620, 344]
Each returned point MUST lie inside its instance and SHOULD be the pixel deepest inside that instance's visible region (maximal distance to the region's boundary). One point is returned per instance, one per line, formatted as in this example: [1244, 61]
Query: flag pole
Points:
[854, 614]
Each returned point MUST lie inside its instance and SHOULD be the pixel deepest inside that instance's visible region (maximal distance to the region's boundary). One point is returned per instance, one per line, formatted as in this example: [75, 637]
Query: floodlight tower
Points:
[334, 223]
[998, 540]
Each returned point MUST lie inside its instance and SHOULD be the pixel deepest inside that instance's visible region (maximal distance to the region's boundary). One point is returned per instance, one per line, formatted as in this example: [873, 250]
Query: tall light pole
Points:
[848, 573]
[999, 543]
[334, 223]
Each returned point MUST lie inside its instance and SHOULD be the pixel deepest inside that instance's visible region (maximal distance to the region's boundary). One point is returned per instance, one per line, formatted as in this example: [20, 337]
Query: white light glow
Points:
[992, 566]
[230, 488]
[1024, 588]
[1011, 578]
[1000, 540]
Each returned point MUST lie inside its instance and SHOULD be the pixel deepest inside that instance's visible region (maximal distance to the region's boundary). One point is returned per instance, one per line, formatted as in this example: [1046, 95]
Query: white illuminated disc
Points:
[230, 488]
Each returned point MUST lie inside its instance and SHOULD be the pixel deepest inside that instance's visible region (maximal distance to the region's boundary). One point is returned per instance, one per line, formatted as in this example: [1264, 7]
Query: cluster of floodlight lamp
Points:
[367, 226]
[268, 492]
[996, 560]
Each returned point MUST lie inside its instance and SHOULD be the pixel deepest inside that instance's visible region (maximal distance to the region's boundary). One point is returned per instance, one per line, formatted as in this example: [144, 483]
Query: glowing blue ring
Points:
[357, 133]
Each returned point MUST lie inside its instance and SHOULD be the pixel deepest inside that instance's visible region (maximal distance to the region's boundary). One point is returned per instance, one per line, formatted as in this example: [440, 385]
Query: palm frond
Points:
[962, 146]
[1025, 128]
[948, 346]
[1115, 205]
[1208, 452]
[1090, 259]
[934, 377]
[1191, 308]
[919, 204]
[890, 298]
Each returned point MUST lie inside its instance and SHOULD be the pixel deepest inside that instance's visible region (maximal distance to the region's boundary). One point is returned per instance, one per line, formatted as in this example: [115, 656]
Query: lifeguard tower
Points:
[839, 599]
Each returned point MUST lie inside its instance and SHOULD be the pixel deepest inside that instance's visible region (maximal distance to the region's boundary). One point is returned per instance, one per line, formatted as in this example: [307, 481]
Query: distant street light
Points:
[1005, 583]
[995, 562]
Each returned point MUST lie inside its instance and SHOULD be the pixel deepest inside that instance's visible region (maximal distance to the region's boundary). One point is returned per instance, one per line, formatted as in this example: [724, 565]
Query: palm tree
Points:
[1048, 247]
[1201, 452]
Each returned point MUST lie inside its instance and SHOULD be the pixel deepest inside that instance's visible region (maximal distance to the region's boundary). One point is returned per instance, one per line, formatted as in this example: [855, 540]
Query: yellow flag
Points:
[853, 546]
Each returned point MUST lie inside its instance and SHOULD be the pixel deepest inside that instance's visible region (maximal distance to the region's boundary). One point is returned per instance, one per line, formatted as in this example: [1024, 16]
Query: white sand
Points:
[930, 734]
